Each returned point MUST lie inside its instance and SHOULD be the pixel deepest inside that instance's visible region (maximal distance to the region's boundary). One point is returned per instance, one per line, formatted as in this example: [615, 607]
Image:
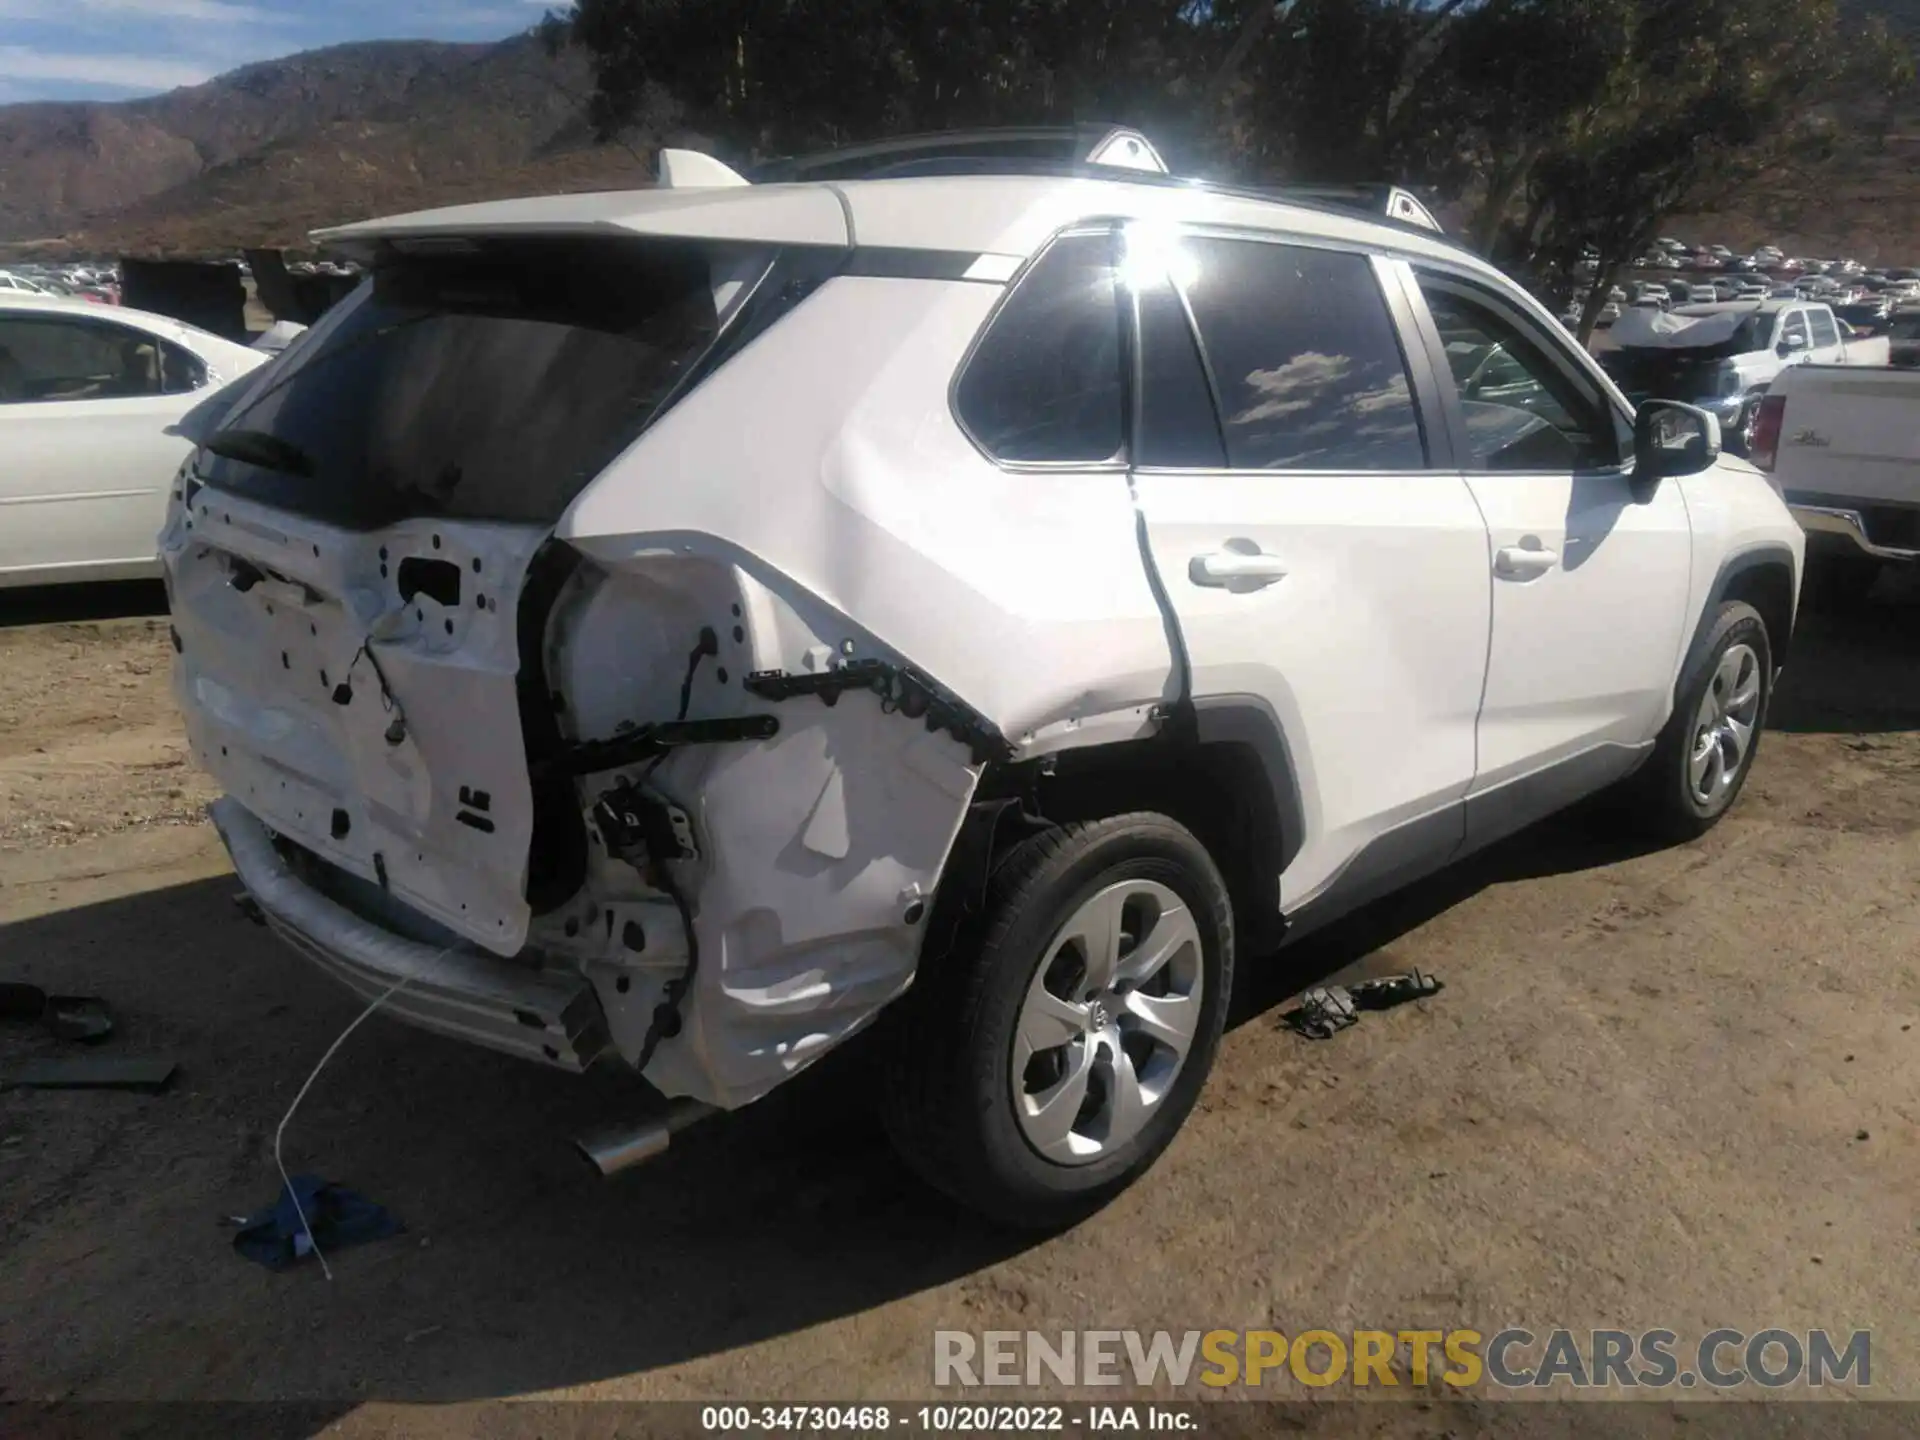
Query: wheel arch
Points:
[1230, 778]
[1763, 577]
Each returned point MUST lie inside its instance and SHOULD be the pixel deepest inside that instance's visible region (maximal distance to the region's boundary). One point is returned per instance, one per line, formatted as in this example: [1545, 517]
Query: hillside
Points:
[267, 153]
[264, 154]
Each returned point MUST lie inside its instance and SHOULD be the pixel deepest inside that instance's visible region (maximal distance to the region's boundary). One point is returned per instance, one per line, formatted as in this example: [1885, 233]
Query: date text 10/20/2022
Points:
[945, 1419]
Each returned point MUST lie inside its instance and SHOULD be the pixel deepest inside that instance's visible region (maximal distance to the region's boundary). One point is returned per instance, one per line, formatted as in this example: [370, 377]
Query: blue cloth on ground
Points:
[338, 1217]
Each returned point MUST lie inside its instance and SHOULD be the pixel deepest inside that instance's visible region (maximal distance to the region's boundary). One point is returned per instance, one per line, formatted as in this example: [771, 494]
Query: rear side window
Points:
[1306, 358]
[490, 384]
[1044, 384]
[48, 359]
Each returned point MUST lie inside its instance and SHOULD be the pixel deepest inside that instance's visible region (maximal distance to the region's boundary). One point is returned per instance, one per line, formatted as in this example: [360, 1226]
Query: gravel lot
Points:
[1672, 1089]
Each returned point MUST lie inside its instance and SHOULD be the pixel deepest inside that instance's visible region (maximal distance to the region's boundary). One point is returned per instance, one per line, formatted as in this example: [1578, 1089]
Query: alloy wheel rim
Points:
[1723, 727]
[1108, 1021]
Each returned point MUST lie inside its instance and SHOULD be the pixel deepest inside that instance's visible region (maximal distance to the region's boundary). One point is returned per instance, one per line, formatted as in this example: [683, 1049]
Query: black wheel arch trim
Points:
[1771, 554]
[1249, 720]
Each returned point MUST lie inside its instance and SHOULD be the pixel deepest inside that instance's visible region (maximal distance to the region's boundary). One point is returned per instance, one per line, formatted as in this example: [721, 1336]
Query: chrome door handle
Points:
[1236, 570]
[1514, 563]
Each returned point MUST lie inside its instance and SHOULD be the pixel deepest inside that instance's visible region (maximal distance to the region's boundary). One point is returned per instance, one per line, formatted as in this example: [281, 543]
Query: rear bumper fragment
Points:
[1833, 524]
[554, 1018]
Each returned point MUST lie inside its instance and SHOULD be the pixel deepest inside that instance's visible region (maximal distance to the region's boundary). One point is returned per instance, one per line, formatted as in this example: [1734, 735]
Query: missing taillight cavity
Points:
[436, 579]
[1764, 447]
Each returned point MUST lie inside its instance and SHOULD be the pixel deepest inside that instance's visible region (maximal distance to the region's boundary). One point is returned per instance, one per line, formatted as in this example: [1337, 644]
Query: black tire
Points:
[1840, 584]
[949, 1092]
[1665, 803]
[1739, 440]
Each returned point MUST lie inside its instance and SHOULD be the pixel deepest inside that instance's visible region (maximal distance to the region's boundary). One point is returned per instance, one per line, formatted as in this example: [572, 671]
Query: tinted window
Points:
[1823, 329]
[62, 359]
[1177, 421]
[1523, 410]
[1044, 382]
[493, 384]
[1304, 352]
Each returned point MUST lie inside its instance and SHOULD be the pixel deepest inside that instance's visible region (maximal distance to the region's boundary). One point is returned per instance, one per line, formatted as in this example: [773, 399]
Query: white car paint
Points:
[83, 489]
[816, 501]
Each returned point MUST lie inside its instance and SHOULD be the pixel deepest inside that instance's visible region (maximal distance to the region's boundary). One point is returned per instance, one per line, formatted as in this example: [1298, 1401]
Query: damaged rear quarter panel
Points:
[819, 848]
[820, 483]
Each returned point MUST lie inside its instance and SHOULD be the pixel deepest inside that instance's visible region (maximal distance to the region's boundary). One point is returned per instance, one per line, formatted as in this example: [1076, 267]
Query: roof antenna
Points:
[690, 170]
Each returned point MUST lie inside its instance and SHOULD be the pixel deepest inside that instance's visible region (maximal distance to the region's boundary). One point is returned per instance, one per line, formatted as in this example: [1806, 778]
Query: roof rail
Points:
[1108, 146]
[1083, 151]
[1378, 199]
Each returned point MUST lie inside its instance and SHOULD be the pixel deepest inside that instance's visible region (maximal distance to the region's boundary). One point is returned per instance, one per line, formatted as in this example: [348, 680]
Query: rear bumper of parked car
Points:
[537, 1014]
[1839, 528]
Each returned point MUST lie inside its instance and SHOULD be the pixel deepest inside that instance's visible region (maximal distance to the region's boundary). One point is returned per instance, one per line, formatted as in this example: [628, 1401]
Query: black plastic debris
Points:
[1326, 1010]
[84, 1018]
[334, 1218]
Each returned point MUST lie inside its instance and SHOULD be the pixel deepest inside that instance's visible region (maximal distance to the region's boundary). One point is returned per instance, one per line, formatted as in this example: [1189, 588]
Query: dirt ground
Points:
[1671, 1088]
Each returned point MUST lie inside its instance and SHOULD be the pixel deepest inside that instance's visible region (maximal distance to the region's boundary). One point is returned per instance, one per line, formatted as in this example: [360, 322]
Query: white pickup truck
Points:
[1722, 357]
[1842, 444]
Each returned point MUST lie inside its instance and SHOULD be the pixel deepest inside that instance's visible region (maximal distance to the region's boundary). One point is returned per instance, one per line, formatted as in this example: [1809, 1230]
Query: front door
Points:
[1589, 579]
[1319, 559]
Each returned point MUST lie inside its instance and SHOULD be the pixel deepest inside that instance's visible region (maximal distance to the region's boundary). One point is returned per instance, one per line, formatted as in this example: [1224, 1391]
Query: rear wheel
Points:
[1042, 1067]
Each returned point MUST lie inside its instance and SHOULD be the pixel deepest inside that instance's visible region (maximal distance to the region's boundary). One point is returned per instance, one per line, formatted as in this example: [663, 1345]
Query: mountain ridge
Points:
[266, 153]
[275, 148]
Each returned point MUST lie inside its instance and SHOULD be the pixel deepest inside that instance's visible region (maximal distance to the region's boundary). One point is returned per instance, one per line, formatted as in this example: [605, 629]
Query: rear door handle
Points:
[1236, 570]
[1514, 563]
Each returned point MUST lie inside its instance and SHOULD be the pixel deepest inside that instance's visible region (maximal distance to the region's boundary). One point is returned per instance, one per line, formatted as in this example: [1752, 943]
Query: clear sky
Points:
[117, 49]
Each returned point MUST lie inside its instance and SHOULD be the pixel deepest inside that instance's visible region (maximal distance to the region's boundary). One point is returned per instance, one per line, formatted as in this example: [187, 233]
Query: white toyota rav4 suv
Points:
[679, 627]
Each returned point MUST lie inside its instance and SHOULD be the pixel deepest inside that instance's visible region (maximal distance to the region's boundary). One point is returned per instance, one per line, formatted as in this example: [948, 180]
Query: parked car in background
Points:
[1721, 357]
[1868, 317]
[1351, 562]
[1903, 339]
[86, 399]
[1843, 449]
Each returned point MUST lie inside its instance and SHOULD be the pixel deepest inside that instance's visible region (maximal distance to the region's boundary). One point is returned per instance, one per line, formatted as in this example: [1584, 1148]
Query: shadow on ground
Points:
[521, 1271]
[66, 604]
[1855, 670]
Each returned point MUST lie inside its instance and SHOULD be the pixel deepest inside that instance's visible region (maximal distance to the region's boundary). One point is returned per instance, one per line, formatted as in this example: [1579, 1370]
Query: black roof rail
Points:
[1076, 151]
[1108, 146]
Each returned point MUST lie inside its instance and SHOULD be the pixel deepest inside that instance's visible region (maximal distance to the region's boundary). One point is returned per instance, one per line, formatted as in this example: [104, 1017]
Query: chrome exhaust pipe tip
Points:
[621, 1147]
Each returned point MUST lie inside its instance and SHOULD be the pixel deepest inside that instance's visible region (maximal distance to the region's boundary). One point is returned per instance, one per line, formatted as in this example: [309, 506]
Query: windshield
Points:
[492, 384]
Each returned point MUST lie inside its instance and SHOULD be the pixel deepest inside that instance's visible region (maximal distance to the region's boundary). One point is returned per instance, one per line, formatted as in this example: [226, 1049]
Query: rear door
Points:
[1321, 553]
[1590, 579]
[84, 408]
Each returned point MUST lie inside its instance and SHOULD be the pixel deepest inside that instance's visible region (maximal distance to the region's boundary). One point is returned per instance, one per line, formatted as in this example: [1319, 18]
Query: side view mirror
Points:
[1789, 345]
[1671, 440]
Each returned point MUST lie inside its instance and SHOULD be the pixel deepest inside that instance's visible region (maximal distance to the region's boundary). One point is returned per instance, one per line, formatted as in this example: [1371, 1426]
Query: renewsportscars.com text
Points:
[1512, 1358]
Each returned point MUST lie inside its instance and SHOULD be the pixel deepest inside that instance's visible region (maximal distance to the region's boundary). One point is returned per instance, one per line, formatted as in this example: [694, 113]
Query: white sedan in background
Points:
[86, 400]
